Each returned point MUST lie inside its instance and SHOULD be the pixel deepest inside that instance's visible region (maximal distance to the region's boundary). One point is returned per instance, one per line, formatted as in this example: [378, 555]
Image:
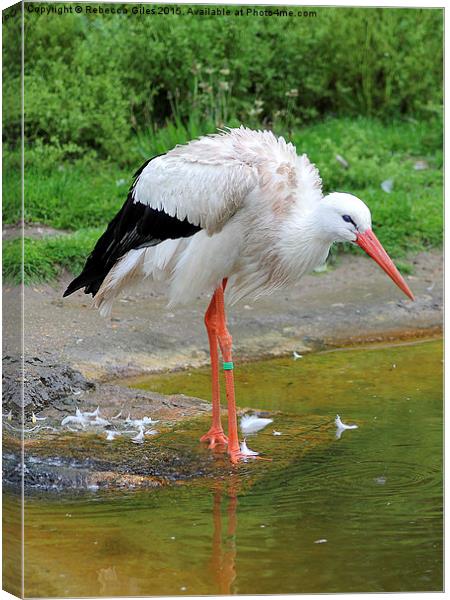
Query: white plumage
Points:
[249, 191]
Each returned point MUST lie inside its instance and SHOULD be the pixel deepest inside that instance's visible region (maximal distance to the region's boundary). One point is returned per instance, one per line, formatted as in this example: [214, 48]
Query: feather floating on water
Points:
[245, 450]
[341, 427]
[253, 423]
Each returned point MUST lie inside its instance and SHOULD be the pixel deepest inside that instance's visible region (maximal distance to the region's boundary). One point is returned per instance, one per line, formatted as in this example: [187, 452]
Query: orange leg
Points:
[215, 435]
[223, 560]
[225, 343]
[229, 556]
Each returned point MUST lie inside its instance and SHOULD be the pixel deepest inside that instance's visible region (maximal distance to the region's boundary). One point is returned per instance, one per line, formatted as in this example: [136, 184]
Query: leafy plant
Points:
[93, 81]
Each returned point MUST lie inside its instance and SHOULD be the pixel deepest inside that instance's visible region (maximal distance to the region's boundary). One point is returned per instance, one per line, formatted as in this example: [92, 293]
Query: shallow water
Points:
[359, 513]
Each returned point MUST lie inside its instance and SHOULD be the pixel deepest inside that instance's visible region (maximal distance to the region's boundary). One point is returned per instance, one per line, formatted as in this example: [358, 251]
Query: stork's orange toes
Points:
[236, 456]
[215, 437]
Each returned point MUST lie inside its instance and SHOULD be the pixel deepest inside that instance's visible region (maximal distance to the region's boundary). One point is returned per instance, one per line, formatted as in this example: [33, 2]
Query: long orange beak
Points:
[369, 242]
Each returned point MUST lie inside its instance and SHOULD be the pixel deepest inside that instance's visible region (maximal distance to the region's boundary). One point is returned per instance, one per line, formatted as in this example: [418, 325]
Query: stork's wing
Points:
[135, 226]
[199, 185]
[207, 180]
[196, 183]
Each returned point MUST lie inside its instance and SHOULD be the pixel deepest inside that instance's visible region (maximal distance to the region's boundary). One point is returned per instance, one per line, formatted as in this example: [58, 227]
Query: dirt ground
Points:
[353, 302]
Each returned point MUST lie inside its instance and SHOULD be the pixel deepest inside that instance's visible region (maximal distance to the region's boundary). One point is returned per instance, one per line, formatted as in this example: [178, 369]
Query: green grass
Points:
[410, 218]
[83, 196]
[46, 258]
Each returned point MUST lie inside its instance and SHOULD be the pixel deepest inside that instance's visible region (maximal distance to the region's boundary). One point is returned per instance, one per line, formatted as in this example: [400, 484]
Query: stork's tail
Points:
[90, 281]
[127, 272]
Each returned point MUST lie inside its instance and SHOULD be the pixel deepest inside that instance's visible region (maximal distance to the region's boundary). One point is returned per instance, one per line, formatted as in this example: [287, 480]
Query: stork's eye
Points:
[348, 219]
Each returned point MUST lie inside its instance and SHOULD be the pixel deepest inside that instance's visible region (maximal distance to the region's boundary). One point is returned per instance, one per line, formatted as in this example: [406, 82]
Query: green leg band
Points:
[228, 366]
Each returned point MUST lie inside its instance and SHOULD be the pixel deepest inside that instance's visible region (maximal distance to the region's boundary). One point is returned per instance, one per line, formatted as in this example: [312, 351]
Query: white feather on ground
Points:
[79, 419]
[35, 419]
[99, 422]
[94, 420]
[140, 422]
[253, 423]
[23, 429]
[83, 419]
[139, 438]
[94, 413]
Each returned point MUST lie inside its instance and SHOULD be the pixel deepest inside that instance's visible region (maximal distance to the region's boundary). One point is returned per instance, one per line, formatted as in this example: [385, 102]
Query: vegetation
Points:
[82, 197]
[103, 93]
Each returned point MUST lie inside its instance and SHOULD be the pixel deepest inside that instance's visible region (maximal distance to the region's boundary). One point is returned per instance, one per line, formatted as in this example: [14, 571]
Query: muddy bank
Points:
[79, 435]
[66, 454]
[53, 390]
[351, 303]
[72, 462]
[92, 436]
[47, 383]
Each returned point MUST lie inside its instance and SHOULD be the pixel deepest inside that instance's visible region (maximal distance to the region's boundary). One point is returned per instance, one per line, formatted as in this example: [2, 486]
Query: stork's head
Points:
[345, 218]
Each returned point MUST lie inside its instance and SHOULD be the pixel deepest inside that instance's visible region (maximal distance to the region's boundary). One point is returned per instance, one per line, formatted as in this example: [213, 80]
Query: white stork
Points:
[238, 210]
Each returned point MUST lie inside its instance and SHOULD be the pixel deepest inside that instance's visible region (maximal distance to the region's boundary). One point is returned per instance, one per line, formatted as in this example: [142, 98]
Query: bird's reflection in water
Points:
[117, 580]
[223, 557]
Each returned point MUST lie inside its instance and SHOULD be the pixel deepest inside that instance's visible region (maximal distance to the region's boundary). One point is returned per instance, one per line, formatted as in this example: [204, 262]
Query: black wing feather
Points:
[136, 225]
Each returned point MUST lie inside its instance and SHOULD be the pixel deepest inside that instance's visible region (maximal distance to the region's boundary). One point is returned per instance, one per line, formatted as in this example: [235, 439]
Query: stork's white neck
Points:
[305, 245]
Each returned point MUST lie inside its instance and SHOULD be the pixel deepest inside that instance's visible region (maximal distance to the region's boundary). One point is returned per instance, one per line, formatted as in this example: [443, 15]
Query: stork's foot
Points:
[215, 437]
[236, 456]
